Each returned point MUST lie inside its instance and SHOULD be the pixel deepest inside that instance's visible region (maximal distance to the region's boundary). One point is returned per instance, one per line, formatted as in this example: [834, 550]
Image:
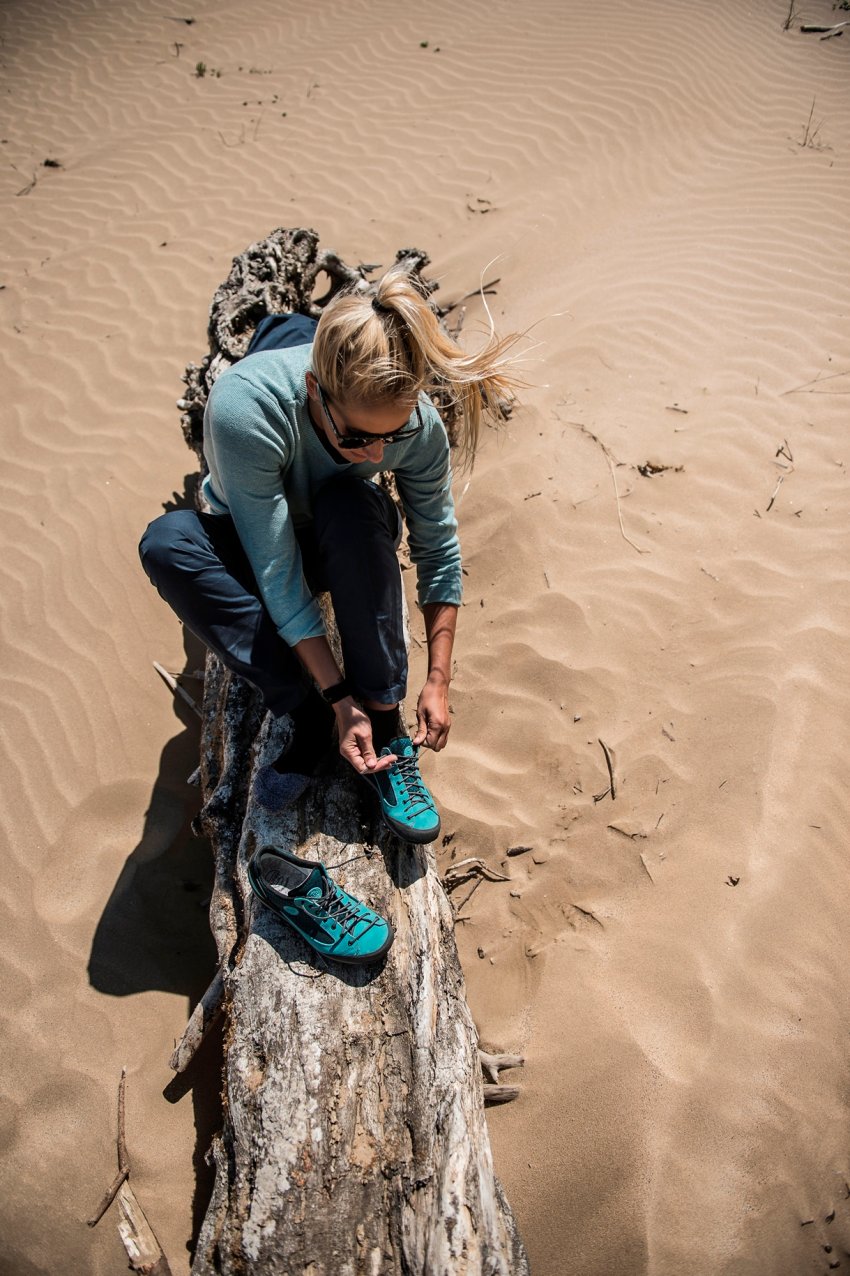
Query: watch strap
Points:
[338, 691]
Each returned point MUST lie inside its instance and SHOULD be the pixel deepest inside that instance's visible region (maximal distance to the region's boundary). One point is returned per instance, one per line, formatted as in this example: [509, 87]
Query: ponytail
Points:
[385, 344]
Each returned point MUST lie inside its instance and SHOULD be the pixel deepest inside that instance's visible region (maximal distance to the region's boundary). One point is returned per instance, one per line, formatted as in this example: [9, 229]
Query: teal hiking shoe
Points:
[332, 922]
[406, 805]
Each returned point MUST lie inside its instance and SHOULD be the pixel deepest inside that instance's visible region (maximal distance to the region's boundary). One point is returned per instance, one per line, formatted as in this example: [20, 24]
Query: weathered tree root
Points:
[354, 1138]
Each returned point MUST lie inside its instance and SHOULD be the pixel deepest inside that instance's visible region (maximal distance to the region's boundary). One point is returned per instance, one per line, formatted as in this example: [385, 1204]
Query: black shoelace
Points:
[415, 794]
[346, 915]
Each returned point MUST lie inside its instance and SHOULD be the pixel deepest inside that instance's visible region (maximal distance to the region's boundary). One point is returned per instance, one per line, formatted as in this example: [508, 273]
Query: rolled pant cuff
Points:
[391, 695]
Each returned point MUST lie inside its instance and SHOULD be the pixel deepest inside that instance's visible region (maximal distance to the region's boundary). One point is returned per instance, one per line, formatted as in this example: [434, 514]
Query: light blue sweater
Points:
[265, 462]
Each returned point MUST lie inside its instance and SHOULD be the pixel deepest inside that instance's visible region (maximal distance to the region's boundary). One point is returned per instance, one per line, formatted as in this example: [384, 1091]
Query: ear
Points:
[312, 385]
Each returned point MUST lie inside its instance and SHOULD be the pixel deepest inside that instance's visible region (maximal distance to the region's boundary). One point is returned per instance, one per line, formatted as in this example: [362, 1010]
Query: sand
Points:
[669, 959]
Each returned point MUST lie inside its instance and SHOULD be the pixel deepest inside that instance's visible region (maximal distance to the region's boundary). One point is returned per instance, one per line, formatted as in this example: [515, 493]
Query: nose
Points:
[375, 452]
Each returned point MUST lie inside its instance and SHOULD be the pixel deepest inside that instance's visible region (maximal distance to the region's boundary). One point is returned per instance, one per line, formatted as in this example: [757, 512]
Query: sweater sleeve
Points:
[424, 483]
[249, 444]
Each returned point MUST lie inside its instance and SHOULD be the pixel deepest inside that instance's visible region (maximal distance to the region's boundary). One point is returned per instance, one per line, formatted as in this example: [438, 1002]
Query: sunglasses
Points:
[363, 439]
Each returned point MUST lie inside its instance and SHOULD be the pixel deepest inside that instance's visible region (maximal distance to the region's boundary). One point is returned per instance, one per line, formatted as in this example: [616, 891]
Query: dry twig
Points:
[174, 685]
[615, 828]
[804, 388]
[123, 1165]
[779, 483]
[610, 461]
[612, 787]
[456, 874]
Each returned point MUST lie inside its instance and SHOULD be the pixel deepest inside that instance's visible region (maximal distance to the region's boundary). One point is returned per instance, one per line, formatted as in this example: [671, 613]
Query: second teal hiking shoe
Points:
[406, 805]
[331, 921]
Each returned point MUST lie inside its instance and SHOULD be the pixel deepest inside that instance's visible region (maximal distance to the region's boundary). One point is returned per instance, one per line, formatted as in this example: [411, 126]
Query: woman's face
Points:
[339, 420]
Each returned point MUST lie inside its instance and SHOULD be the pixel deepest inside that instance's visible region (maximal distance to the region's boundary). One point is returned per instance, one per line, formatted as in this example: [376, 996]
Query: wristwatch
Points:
[338, 691]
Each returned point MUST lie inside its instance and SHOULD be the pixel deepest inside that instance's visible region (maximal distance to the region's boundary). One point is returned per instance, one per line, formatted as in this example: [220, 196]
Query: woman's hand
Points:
[355, 739]
[432, 714]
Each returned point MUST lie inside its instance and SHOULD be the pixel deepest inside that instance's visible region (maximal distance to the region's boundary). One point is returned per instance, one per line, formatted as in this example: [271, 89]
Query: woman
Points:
[293, 434]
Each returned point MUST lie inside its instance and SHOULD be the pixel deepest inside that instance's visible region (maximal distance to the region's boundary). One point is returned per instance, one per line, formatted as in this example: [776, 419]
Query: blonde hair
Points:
[384, 343]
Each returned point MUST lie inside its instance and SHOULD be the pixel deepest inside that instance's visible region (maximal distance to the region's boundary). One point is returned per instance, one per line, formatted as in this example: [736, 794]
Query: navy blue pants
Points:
[197, 563]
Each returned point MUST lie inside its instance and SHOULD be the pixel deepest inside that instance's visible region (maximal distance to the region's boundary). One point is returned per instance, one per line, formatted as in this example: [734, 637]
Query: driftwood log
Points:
[354, 1139]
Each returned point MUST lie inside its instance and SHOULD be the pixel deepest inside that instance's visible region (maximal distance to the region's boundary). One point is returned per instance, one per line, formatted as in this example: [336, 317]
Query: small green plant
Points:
[200, 69]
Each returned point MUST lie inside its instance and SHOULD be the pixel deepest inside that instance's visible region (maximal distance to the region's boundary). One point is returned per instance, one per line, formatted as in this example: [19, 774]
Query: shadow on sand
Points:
[154, 932]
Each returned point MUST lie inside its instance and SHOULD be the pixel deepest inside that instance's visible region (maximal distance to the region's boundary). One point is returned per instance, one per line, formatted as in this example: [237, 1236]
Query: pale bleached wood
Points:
[203, 1017]
[144, 1252]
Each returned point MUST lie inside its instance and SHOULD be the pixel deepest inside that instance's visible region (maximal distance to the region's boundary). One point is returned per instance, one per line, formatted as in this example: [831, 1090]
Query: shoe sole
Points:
[258, 886]
[417, 837]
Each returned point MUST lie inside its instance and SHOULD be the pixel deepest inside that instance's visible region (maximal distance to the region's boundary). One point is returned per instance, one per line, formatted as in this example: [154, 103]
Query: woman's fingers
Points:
[357, 749]
[433, 717]
[365, 749]
[384, 764]
[431, 732]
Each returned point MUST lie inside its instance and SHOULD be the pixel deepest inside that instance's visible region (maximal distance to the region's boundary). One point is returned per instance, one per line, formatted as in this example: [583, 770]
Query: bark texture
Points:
[354, 1138]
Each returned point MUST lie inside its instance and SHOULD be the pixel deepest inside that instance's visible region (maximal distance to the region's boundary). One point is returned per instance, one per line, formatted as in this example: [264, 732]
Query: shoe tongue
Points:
[315, 886]
[402, 746]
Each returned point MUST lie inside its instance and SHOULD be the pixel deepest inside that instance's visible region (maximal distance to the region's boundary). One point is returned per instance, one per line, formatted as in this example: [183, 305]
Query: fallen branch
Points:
[491, 1064]
[456, 874]
[201, 1021]
[494, 1094]
[825, 33]
[143, 1249]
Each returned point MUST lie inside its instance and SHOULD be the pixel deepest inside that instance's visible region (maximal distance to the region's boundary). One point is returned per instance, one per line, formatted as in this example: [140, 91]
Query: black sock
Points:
[313, 722]
[386, 725]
